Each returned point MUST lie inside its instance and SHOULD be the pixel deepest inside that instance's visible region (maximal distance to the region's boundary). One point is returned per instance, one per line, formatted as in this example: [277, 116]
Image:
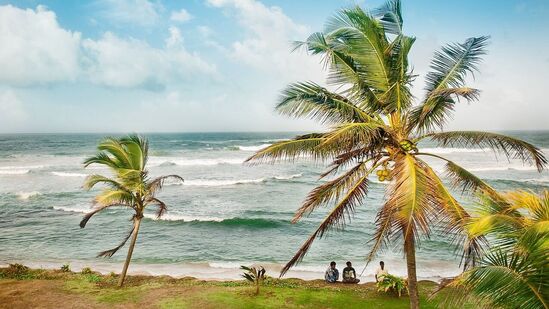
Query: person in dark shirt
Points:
[349, 274]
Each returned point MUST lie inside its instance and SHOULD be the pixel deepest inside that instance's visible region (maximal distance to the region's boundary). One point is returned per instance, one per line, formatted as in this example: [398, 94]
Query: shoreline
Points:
[209, 271]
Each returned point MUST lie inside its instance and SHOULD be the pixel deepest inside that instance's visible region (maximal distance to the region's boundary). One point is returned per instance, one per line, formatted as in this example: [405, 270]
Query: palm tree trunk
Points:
[410, 249]
[130, 252]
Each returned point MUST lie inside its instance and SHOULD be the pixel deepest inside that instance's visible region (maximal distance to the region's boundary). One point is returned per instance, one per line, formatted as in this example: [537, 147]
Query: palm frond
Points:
[102, 159]
[449, 70]
[137, 149]
[510, 146]
[111, 252]
[456, 221]
[349, 136]
[304, 146]
[156, 184]
[331, 190]
[95, 179]
[96, 210]
[114, 196]
[343, 69]
[390, 16]
[336, 218]
[409, 208]
[310, 100]
[365, 39]
[468, 181]
[162, 208]
[510, 280]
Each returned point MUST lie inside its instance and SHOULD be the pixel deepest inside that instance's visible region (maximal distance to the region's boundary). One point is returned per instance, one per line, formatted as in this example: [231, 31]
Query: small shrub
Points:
[17, 271]
[93, 278]
[66, 268]
[86, 271]
[112, 274]
[392, 283]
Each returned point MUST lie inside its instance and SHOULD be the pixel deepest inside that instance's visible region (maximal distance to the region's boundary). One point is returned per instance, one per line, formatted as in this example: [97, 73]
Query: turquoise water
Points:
[225, 214]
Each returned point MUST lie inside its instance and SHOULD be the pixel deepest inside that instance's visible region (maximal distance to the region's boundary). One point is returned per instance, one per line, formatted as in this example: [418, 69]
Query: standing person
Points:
[349, 274]
[332, 274]
[381, 272]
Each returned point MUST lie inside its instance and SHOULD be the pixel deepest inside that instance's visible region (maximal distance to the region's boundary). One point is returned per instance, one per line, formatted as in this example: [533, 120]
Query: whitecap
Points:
[288, 177]
[27, 195]
[444, 150]
[14, 172]
[253, 148]
[220, 182]
[166, 161]
[177, 217]
[65, 174]
[78, 209]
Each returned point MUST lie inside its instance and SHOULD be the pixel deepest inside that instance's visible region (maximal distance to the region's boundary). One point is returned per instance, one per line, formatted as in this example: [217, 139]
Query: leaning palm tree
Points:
[515, 271]
[376, 124]
[130, 186]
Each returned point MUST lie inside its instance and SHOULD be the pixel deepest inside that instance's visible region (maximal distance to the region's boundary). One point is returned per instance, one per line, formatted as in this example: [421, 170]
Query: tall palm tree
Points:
[376, 124]
[130, 186]
[515, 271]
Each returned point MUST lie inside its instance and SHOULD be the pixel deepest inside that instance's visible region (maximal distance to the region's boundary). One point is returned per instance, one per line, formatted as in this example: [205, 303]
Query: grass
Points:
[94, 290]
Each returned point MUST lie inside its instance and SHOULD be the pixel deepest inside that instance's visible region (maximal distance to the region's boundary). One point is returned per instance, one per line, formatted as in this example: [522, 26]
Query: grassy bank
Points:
[28, 288]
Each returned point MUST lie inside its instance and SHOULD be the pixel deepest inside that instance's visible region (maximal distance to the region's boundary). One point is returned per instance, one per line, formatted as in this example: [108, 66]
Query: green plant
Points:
[376, 123]
[94, 278]
[514, 273]
[18, 271]
[65, 268]
[130, 187]
[254, 275]
[86, 271]
[392, 283]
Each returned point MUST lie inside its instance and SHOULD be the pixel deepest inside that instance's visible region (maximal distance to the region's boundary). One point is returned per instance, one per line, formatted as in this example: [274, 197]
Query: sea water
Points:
[225, 214]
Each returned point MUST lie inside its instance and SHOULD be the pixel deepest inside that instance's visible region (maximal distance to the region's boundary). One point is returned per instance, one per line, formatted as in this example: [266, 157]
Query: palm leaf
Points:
[336, 218]
[510, 146]
[449, 70]
[391, 16]
[111, 252]
[310, 100]
[410, 204]
[305, 146]
[331, 190]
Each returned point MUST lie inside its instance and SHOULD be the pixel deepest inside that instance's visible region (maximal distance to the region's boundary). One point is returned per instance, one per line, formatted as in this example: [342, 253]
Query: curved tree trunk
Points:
[137, 223]
[410, 250]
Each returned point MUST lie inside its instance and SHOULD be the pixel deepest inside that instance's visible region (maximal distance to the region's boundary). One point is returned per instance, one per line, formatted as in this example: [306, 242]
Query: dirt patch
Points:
[40, 294]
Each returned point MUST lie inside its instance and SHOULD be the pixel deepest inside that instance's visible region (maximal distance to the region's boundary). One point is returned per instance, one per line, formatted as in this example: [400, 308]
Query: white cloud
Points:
[119, 62]
[12, 112]
[267, 44]
[136, 12]
[34, 48]
[181, 16]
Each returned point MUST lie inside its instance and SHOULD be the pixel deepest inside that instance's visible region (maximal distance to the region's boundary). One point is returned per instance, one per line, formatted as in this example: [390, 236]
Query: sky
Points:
[220, 65]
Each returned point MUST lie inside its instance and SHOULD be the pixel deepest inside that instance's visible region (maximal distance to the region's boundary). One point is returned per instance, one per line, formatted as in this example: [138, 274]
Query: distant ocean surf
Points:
[223, 215]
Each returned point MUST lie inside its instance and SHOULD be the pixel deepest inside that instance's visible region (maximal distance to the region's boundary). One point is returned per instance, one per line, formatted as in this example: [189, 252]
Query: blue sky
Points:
[219, 65]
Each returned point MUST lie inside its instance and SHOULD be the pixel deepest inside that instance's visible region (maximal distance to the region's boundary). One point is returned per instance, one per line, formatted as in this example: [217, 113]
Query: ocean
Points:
[224, 215]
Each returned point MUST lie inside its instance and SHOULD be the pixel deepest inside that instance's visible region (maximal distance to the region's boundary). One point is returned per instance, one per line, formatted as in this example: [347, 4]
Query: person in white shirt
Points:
[381, 272]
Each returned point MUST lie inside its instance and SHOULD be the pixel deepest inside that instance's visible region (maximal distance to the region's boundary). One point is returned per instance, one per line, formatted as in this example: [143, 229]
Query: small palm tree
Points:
[376, 124]
[130, 186]
[254, 275]
[515, 271]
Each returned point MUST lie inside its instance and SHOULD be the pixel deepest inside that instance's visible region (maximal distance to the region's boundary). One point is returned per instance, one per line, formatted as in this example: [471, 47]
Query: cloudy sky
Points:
[219, 65]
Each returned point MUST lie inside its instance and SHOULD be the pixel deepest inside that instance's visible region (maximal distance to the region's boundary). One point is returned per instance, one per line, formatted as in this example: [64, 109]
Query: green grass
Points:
[166, 292]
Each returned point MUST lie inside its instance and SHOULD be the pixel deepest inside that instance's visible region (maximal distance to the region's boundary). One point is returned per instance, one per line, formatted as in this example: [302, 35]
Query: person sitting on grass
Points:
[349, 274]
[381, 272]
[332, 274]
